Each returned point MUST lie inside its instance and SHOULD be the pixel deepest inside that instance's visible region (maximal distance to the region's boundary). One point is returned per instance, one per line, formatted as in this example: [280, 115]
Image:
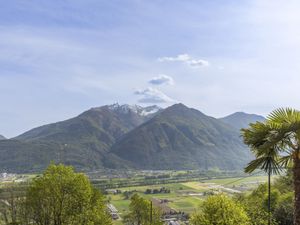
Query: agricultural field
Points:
[172, 191]
[182, 197]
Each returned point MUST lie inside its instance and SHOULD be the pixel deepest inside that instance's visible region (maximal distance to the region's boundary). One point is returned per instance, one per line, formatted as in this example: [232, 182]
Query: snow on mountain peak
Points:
[142, 111]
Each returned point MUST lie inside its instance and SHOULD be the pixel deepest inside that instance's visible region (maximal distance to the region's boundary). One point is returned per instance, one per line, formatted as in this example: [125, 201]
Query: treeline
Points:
[157, 191]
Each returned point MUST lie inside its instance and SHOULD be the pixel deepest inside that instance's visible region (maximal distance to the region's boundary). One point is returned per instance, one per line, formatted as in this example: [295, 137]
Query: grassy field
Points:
[188, 196]
[238, 181]
[187, 204]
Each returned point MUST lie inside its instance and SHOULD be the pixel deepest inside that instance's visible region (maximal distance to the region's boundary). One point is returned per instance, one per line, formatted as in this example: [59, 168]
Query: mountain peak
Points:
[125, 108]
[241, 119]
[183, 138]
[241, 113]
[177, 107]
[142, 111]
[181, 109]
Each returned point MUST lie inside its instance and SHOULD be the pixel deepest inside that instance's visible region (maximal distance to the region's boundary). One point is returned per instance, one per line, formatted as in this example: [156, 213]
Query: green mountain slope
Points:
[18, 156]
[124, 136]
[183, 138]
[241, 120]
[25, 157]
[103, 124]
[83, 141]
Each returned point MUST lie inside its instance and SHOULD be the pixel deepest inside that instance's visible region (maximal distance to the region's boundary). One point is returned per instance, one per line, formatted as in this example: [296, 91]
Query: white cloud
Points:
[162, 79]
[178, 58]
[152, 95]
[198, 62]
[187, 59]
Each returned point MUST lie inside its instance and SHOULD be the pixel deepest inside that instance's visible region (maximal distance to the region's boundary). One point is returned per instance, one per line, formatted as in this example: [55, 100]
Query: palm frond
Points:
[280, 133]
[285, 161]
[284, 115]
[254, 165]
[256, 134]
[267, 164]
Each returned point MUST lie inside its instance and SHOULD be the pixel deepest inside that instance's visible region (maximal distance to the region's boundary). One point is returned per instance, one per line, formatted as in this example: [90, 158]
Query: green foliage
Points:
[11, 199]
[141, 212]
[282, 198]
[220, 210]
[285, 183]
[267, 157]
[256, 204]
[280, 133]
[284, 211]
[275, 144]
[62, 197]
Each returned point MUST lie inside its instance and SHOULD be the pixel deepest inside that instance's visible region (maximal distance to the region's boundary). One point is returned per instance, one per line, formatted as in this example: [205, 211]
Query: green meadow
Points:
[187, 196]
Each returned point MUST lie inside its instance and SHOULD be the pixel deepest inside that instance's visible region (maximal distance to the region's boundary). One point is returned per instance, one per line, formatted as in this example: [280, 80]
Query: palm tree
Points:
[266, 158]
[279, 134]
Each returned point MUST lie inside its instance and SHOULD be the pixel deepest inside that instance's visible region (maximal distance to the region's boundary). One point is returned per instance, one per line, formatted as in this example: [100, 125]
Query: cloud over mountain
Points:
[162, 79]
[153, 95]
[187, 59]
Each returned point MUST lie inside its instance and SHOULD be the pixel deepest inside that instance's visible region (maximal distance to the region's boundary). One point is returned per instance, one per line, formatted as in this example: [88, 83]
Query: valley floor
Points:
[183, 197]
[178, 192]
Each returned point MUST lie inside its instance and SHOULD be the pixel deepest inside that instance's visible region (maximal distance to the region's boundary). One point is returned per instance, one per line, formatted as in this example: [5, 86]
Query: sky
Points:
[59, 58]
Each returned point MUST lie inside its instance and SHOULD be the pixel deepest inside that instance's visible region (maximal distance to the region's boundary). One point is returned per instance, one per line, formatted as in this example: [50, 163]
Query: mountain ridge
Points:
[184, 137]
[94, 116]
[241, 120]
[83, 141]
[172, 138]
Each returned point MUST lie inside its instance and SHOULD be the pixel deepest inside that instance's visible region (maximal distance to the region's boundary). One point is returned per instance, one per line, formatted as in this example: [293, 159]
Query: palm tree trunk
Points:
[296, 173]
[269, 195]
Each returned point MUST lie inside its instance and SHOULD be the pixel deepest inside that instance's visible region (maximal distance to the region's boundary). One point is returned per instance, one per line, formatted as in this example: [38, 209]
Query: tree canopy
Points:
[62, 197]
[220, 210]
[142, 212]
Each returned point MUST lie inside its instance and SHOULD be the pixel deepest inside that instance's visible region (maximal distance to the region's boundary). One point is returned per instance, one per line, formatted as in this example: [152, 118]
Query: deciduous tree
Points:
[62, 197]
[220, 210]
[142, 212]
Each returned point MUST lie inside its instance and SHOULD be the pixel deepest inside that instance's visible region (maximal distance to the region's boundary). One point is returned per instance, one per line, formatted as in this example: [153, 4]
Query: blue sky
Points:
[61, 57]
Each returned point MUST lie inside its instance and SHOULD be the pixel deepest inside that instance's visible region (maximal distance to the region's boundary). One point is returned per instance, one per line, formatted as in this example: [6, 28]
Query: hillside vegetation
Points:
[124, 136]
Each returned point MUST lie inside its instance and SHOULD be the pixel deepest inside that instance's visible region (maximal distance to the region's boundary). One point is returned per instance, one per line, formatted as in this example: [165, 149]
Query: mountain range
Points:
[124, 136]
